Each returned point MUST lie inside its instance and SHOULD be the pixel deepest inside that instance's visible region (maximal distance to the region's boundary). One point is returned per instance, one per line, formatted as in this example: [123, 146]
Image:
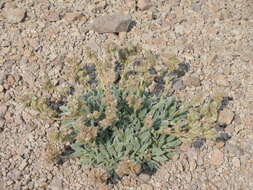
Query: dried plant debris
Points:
[53, 152]
[121, 115]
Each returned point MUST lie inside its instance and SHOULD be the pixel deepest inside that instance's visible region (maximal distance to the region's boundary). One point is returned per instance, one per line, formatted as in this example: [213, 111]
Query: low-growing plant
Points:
[126, 133]
[121, 115]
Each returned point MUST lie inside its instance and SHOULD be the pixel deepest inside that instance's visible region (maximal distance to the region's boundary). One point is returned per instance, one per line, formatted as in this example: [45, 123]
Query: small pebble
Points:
[23, 165]
[146, 187]
[52, 16]
[199, 142]
[236, 162]
[72, 16]
[217, 157]
[56, 184]
[192, 81]
[1, 88]
[178, 85]
[144, 177]
[220, 144]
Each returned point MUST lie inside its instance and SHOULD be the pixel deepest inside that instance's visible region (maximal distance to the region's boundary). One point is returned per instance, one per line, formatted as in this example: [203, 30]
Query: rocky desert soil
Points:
[213, 37]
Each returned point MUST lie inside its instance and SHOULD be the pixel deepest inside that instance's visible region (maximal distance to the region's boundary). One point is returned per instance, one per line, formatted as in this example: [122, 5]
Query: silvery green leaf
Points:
[103, 151]
[100, 158]
[145, 136]
[77, 154]
[143, 113]
[129, 149]
[157, 151]
[174, 144]
[64, 108]
[77, 146]
[111, 150]
[136, 145]
[160, 158]
[170, 138]
[68, 122]
[144, 147]
[172, 110]
[164, 123]
[169, 154]
[86, 161]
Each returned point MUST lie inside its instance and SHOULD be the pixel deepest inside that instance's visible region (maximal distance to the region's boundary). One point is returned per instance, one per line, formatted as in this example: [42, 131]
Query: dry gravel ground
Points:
[215, 37]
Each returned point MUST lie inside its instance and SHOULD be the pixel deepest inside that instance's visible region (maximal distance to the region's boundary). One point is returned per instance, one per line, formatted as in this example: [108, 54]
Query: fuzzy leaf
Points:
[173, 144]
[157, 151]
[160, 158]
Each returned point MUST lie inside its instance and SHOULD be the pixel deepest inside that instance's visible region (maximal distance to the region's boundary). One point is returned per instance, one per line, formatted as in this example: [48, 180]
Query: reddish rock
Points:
[52, 16]
[217, 157]
[73, 16]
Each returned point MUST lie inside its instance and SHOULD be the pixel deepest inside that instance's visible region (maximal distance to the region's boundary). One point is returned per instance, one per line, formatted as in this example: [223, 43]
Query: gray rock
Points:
[15, 175]
[194, 186]
[14, 15]
[234, 149]
[196, 7]
[144, 177]
[178, 85]
[112, 23]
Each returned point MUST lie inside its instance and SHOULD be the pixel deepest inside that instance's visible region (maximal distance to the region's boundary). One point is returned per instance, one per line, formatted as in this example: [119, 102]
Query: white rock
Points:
[236, 162]
[193, 165]
[179, 29]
